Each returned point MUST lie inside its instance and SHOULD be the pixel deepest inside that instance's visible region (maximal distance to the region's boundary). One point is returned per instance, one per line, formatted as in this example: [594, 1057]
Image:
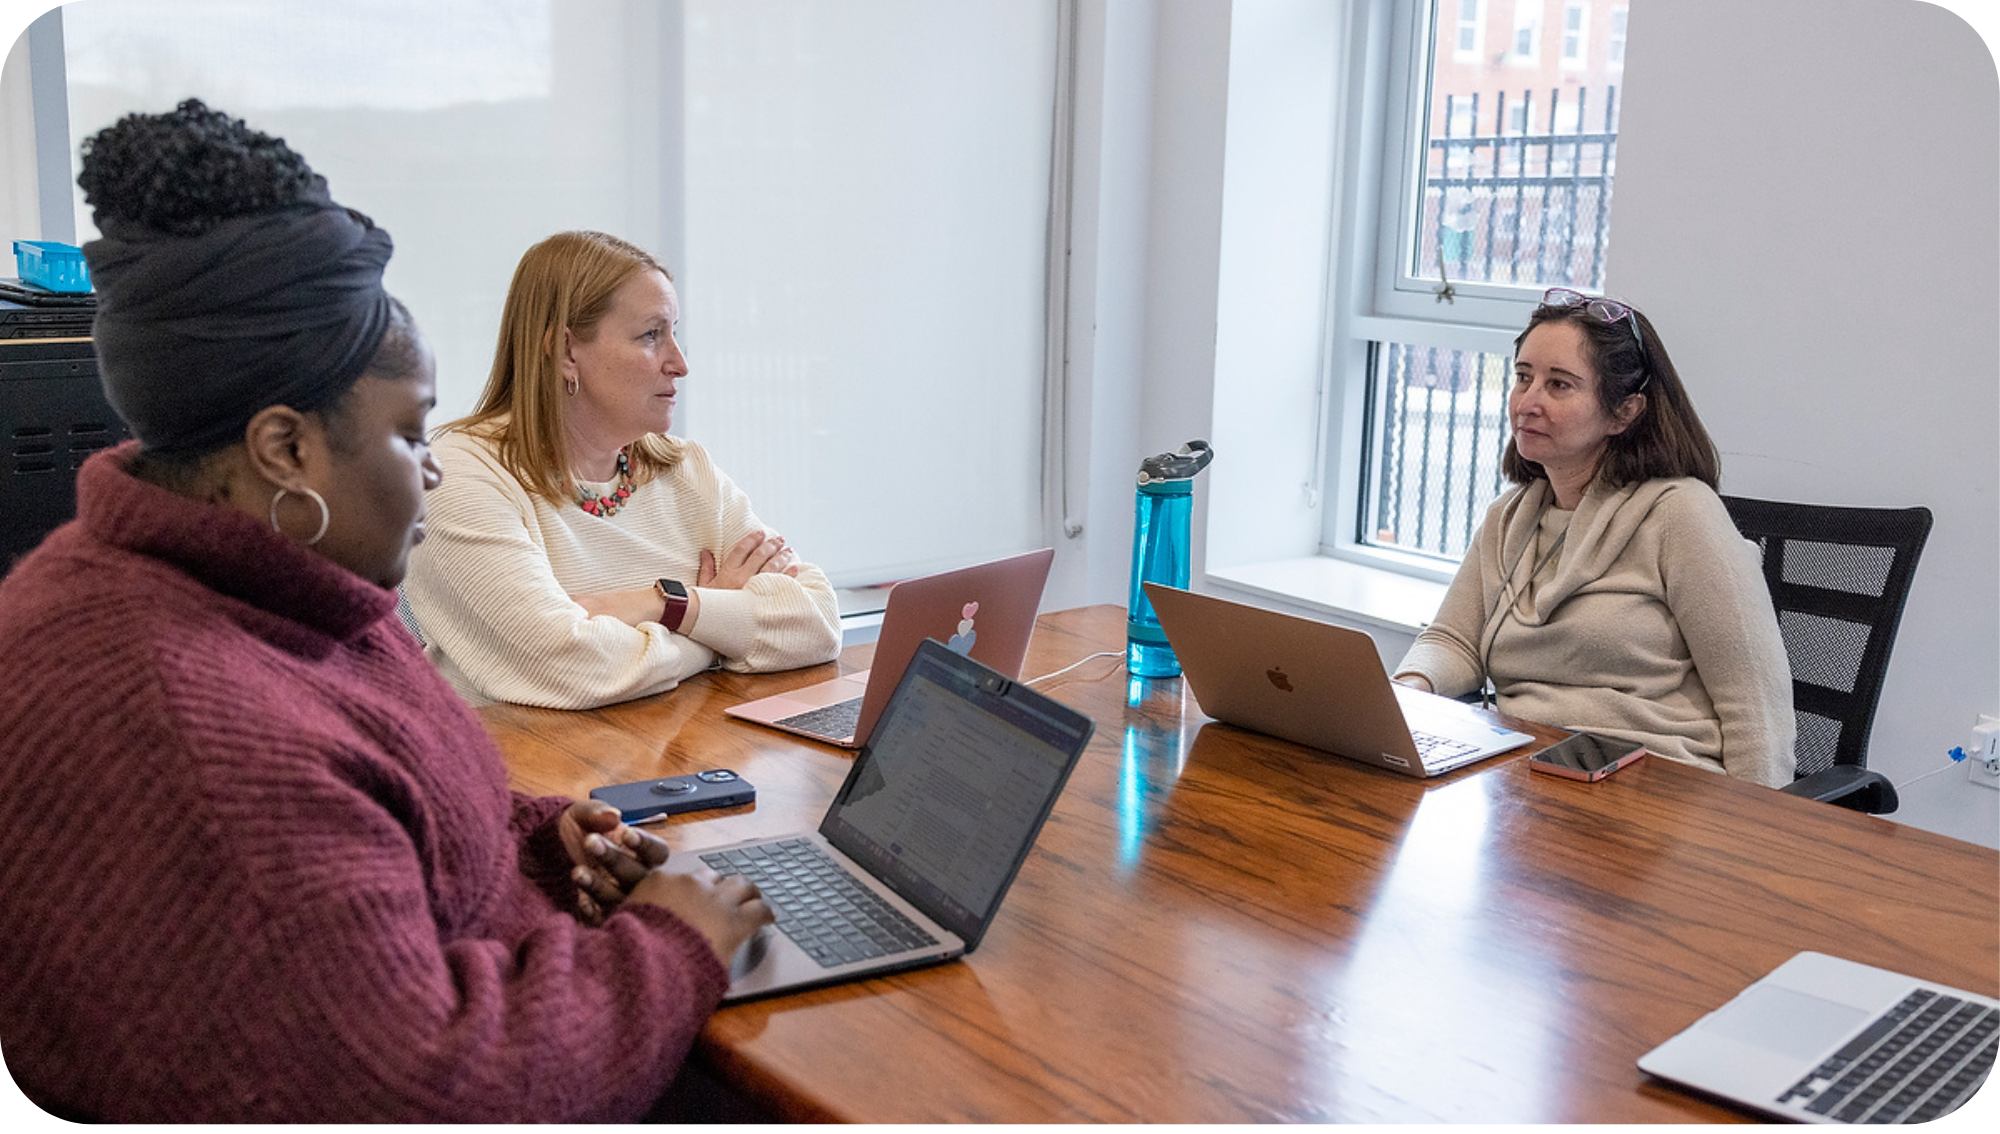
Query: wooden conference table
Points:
[1218, 926]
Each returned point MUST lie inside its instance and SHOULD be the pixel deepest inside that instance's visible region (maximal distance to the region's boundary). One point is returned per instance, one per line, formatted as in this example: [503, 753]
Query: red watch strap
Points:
[675, 611]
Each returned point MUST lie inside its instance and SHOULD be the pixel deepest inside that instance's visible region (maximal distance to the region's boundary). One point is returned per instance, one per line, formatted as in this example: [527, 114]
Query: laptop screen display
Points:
[946, 800]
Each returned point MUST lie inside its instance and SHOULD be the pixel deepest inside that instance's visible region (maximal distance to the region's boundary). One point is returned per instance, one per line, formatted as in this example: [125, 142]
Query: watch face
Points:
[671, 588]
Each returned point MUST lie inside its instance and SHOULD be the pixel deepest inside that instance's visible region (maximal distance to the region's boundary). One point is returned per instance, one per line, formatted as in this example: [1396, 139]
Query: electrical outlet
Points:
[1982, 763]
[1978, 774]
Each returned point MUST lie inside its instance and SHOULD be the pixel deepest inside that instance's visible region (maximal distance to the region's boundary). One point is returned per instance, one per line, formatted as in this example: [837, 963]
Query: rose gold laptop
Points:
[986, 612]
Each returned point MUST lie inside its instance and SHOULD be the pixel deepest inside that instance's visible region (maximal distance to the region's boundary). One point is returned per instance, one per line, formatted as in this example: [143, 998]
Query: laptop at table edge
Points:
[1812, 1004]
[1008, 595]
[1325, 686]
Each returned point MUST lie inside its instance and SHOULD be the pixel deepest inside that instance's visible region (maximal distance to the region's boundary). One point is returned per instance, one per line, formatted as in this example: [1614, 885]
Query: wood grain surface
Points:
[1218, 926]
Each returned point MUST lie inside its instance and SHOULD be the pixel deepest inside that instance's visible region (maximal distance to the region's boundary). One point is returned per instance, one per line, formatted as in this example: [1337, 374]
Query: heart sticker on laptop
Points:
[961, 642]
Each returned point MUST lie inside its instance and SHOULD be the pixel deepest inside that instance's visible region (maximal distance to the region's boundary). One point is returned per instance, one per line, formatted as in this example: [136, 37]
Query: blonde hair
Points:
[564, 283]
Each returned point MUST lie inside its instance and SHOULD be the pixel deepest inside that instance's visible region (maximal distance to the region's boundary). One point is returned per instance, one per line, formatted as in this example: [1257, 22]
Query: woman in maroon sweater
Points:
[257, 861]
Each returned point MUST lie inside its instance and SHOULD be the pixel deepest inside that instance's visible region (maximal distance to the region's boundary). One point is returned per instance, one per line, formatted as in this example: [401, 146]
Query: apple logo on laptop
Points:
[962, 641]
[1279, 679]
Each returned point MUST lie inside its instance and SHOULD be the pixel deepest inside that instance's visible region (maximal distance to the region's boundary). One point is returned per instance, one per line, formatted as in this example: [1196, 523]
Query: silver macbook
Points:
[1319, 685]
[986, 612]
[921, 842]
[1822, 1039]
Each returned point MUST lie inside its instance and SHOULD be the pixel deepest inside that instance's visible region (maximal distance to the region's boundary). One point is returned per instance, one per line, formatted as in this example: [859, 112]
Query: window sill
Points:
[1349, 591]
[861, 613]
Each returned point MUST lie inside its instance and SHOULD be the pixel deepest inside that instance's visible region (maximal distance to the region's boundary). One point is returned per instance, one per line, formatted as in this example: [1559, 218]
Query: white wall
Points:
[1110, 211]
[1145, 258]
[1277, 230]
[35, 183]
[20, 204]
[1819, 243]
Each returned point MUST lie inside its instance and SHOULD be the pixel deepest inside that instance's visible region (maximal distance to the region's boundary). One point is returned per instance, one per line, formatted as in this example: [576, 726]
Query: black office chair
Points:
[1838, 578]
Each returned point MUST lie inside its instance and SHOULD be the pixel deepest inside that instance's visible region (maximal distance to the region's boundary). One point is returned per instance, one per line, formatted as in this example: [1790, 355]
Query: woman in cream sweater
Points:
[577, 554]
[1609, 591]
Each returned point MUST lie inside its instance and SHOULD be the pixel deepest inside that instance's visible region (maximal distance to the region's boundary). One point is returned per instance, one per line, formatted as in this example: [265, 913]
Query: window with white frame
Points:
[1617, 46]
[1465, 33]
[1526, 45]
[1493, 187]
[1576, 35]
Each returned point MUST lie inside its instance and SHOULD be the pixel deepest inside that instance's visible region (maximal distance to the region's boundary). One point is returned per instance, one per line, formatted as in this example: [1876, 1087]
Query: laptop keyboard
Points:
[835, 722]
[820, 906]
[1917, 1061]
[1441, 752]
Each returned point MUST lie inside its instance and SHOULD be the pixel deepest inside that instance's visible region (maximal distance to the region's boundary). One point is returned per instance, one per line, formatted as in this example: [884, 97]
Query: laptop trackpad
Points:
[1781, 1020]
[844, 688]
[750, 955]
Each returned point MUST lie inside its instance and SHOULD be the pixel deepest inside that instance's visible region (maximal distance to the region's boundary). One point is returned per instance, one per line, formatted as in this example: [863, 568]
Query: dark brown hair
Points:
[1667, 439]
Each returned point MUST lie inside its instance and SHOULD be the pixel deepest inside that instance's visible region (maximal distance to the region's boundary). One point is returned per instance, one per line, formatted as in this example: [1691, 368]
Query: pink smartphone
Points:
[1586, 756]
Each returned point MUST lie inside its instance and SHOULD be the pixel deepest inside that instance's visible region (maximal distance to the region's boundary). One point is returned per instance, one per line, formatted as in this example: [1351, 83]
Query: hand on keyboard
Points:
[820, 906]
[726, 911]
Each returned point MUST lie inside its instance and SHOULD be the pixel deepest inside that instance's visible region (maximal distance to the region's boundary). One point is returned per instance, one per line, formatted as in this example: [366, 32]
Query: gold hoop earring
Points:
[569, 386]
[325, 514]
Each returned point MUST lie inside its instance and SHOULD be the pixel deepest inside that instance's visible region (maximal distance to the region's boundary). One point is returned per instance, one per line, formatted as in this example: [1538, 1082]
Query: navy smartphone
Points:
[652, 799]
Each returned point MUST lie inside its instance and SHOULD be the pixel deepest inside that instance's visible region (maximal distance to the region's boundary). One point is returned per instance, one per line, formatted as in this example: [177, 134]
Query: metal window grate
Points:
[1439, 424]
[1513, 207]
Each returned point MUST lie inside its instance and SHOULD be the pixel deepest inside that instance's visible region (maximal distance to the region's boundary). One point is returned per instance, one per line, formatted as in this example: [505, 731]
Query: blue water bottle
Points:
[1160, 538]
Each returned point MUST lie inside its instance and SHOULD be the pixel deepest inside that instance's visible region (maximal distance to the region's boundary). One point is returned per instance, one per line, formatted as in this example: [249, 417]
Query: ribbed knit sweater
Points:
[490, 588]
[258, 862]
[1649, 621]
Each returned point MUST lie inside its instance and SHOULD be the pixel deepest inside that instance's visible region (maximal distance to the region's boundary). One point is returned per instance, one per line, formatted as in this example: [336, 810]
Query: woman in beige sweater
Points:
[1610, 591]
[577, 555]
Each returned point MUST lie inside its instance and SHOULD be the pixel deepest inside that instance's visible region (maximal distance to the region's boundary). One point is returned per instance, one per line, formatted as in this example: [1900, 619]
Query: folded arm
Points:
[487, 597]
[758, 610]
[485, 590]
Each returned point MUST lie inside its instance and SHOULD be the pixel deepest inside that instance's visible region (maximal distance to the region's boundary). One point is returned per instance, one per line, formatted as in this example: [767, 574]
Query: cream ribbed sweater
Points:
[1650, 622]
[489, 587]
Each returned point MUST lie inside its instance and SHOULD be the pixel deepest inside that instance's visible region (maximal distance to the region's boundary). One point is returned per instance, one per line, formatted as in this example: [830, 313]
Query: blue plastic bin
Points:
[52, 265]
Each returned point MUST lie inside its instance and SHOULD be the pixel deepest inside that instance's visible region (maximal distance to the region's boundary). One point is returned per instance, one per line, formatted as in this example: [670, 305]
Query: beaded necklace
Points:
[607, 506]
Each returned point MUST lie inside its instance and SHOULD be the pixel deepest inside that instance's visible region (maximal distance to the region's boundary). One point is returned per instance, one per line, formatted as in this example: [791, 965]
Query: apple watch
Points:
[676, 596]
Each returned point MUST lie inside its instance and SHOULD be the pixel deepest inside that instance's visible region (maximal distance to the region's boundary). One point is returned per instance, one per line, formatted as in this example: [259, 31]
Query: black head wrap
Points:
[195, 334]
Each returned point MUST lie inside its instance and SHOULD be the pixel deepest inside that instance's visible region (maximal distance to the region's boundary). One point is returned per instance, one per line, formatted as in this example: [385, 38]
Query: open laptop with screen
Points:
[1319, 685]
[985, 611]
[1823, 1039]
[923, 839]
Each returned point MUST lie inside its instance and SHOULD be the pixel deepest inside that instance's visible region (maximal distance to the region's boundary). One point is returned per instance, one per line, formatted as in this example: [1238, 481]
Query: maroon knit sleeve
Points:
[389, 1001]
[543, 859]
[376, 1020]
[504, 1009]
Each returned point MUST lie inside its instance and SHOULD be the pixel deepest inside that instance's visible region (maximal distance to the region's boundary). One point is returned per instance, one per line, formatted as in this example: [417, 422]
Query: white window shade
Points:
[867, 220]
[865, 225]
[468, 128]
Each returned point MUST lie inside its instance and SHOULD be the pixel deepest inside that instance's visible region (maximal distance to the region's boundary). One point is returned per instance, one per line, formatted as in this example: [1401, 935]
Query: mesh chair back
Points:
[1838, 578]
